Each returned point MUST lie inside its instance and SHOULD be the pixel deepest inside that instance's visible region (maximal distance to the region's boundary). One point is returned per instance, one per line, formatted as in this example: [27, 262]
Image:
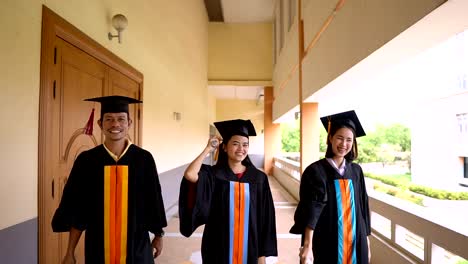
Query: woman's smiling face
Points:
[237, 148]
[342, 142]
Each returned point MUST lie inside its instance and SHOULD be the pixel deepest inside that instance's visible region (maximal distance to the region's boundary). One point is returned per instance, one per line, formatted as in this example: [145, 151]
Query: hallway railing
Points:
[402, 232]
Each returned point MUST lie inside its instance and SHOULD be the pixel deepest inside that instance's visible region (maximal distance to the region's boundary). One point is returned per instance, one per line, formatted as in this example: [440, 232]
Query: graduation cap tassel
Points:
[88, 129]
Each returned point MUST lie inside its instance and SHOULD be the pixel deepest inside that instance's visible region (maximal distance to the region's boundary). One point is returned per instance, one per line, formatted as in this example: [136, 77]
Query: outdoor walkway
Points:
[181, 250]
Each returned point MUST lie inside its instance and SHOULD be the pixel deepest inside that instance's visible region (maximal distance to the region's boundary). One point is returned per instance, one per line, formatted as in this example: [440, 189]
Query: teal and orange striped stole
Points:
[239, 206]
[115, 214]
[346, 221]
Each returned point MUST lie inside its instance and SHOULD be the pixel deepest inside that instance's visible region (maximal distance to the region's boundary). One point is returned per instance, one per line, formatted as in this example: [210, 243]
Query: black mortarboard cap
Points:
[114, 103]
[348, 119]
[229, 128]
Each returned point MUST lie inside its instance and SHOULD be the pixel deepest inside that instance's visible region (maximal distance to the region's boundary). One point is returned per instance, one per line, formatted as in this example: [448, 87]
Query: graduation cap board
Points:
[114, 103]
[109, 104]
[235, 127]
[348, 119]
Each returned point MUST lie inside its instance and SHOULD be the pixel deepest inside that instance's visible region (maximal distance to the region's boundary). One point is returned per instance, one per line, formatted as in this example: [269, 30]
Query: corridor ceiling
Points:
[240, 11]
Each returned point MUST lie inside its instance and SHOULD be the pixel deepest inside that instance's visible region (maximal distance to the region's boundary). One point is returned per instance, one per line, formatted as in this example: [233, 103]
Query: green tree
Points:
[395, 134]
[323, 141]
[367, 150]
[398, 134]
[387, 153]
[385, 144]
[290, 136]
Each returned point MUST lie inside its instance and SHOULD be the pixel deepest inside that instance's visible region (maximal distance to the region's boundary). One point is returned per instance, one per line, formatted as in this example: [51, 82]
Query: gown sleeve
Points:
[312, 199]
[71, 211]
[364, 200]
[267, 224]
[195, 201]
[154, 210]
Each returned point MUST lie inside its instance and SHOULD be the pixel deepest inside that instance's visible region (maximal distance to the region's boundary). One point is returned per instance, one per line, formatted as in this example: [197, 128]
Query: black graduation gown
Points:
[215, 202]
[84, 206]
[321, 190]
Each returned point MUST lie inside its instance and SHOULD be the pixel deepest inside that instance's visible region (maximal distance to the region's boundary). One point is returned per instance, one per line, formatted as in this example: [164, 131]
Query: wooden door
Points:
[120, 84]
[81, 76]
[73, 68]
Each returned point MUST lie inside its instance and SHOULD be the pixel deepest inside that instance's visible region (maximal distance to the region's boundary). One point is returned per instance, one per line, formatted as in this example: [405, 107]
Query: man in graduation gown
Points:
[333, 211]
[113, 193]
[232, 199]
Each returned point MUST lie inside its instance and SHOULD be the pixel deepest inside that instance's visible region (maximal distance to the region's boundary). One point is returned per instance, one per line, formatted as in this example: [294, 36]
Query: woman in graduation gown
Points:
[333, 212]
[232, 198]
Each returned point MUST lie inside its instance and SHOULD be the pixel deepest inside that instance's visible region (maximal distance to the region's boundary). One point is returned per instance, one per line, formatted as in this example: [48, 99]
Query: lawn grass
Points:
[404, 178]
[403, 182]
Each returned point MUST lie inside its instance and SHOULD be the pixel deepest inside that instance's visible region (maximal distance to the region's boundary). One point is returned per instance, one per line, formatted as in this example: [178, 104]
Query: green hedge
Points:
[400, 193]
[424, 190]
[438, 194]
[386, 179]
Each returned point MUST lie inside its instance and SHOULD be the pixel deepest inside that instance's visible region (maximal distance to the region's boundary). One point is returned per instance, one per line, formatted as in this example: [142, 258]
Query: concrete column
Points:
[310, 134]
[272, 131]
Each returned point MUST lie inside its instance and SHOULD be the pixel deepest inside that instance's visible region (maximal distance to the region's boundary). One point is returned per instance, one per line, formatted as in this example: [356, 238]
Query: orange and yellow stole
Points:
[115, 213]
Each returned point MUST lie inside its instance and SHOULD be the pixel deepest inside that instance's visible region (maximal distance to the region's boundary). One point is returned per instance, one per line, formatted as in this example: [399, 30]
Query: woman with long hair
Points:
[232, 199]
[333, 211]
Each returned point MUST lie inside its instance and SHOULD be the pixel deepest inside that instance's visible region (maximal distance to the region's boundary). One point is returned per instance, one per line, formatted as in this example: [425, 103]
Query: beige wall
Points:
[244, 109]
[446, 169]
[164, 40]
[19, 84]
[349, 39]
[285, 80]
[240, 52]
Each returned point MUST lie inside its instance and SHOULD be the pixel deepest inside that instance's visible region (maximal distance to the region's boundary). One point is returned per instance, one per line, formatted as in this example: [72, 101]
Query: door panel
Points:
[81, 77]
[73, 67]
[120, 84]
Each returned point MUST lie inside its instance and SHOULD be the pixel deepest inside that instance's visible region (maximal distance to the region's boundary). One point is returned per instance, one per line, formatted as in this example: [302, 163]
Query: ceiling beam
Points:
[214, 10]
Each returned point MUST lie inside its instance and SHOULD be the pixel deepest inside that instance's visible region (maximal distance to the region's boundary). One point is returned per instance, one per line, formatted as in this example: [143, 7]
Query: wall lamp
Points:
[177, 116]
[119, 22]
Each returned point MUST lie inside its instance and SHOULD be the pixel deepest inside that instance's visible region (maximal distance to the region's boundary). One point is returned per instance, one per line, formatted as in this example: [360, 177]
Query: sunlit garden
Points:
[385, 155]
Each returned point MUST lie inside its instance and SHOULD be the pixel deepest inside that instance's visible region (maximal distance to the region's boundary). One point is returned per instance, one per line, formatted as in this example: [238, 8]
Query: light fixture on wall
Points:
[119, 22]
[177, 116]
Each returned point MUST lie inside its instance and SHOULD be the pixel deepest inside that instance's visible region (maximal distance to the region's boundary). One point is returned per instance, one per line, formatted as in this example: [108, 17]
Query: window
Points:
[462, 135]
[462, 124]
[465, 167]
[462, 82]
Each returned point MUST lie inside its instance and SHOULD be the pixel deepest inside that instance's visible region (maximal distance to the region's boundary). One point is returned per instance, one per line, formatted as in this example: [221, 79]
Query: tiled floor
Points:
[181, 250]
